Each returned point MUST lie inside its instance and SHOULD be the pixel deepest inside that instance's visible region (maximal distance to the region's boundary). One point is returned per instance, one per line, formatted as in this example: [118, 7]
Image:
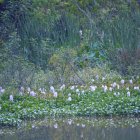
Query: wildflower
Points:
[69, 98]
[128, 93]
[110, 89]
[55, 94]
[69, 94]
[83, 91]
[52, 89]
[131, 81]
[72, 87]
[2, 90]
[93, 88]
[11, 98]
[33, 126]
[78, 124]
[105, 88]
[83, 125]
[70, 122]
[42, 90]
[122, 81]
[92, 80]
[136, 88]
[127, 88]
[114, 84]
[97, 77]
[103, 78]
[28, 90]
[81, 33]
[32, 93]
[116, 94]
[77, 90]
[62, 87]
[55, 125]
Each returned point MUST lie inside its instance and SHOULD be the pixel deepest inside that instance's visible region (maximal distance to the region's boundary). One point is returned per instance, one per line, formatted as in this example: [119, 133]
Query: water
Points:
[75, 129]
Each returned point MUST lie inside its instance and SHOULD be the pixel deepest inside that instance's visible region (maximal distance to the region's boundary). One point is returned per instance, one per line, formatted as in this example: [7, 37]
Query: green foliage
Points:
[44, 35]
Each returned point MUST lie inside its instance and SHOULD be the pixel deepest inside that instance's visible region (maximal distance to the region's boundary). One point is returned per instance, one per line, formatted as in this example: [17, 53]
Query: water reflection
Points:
[75, 129]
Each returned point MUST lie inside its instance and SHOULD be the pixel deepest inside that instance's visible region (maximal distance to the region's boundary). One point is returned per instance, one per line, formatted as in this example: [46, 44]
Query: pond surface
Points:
[124, 128]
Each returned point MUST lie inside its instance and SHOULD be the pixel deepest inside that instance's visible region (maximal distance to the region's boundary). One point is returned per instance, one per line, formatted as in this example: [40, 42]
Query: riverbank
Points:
[96, 100]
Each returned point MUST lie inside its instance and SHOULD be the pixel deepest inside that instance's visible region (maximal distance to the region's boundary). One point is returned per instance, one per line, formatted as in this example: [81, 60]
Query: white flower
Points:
[69, 98]
[33, 126]
[32, 93]
[28, 89]
[62, 87]
[128, 93]
[11, 98]
[122, 81]
[52, 89]
[2, 90]
[77, 90]
[92, 80]
[127, 88]
[83, 91]
[55, 94]
[114, 84]
[83, 125]
[103, 78]
[131, 81]
[116, 94]
[110, 89]
[55, 125]
[93, 88]
[136, 88]
[42, 90]
[22, 89]
[78, 124]
[105, 88]
[70, 122]
[81, 32]
[72, 87]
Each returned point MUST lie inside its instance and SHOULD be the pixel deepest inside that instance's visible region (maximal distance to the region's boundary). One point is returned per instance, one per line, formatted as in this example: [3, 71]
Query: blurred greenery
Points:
[60, 38]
